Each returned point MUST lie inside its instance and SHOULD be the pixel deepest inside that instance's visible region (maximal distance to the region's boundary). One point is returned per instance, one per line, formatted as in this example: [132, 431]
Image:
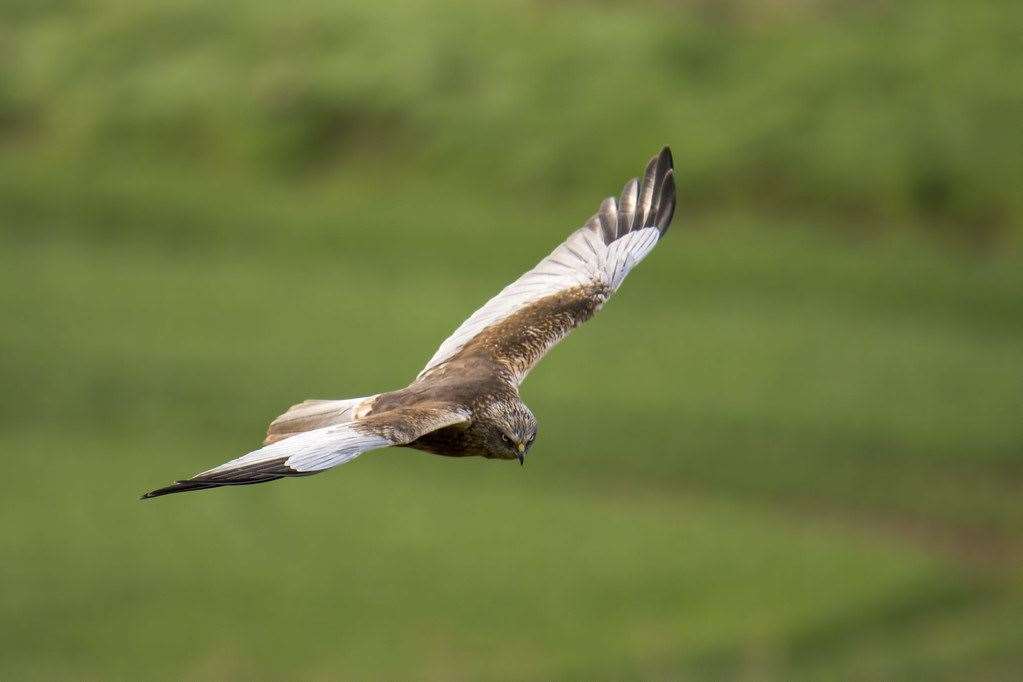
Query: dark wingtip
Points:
[666, 202]
[261, 472]
[647, 201]
[660, 178]
[185, 487]
[178, 487]
[666, 157]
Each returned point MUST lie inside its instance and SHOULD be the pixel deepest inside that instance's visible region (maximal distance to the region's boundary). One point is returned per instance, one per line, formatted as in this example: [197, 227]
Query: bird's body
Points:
[466, 401]
[469, 382]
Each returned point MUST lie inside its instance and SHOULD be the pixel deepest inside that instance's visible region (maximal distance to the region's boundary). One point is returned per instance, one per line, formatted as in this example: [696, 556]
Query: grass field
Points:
[790, 448]
[675, 516]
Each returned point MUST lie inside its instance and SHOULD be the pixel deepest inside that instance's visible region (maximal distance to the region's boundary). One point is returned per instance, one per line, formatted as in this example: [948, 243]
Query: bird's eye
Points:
[506, 439]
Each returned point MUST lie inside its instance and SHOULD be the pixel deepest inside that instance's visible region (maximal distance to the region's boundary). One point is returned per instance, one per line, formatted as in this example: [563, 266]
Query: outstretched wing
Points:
[314, 451]
[519, 325]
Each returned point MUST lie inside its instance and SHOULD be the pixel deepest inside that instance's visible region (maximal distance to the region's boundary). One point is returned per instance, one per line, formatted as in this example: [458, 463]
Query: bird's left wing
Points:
[519, 325]
[314, 451]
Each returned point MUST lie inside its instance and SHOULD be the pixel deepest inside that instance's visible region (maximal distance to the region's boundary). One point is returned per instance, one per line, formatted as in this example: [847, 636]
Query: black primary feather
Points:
[649, 202]
[262, 472]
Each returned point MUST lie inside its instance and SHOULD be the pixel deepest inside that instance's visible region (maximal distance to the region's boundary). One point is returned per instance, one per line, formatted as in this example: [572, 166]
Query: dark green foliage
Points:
[901, 112]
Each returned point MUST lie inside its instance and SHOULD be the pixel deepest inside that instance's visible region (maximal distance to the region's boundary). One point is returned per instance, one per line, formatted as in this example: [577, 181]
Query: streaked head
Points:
[512, 430]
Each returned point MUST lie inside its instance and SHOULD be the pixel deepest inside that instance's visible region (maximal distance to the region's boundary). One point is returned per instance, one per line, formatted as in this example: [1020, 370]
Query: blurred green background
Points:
[791, 447]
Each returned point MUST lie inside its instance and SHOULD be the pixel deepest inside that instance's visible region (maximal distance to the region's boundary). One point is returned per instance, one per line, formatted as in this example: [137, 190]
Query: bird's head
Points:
[512, 432]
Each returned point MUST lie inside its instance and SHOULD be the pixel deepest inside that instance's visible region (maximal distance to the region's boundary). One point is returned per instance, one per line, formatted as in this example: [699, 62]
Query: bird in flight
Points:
[465, 402]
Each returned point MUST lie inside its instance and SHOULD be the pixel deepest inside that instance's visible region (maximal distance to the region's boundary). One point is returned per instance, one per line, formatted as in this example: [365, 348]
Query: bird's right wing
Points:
[519, 325]
[314, 451]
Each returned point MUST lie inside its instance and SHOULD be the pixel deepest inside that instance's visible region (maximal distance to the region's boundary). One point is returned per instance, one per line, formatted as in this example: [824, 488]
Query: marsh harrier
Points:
[465, 401]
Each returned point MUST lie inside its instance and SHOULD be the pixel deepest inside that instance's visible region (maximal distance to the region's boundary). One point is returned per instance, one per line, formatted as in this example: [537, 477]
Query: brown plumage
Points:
[466, 401]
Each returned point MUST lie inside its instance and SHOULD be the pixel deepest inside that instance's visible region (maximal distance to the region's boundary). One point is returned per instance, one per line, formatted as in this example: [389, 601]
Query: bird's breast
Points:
[451, 441]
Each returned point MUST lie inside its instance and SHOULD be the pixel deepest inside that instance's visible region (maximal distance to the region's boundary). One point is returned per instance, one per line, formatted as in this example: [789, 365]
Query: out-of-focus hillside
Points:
[789, 448]
[869, 113]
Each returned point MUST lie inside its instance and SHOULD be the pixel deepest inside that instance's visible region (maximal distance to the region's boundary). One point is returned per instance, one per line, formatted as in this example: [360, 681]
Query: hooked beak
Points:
[521, 456]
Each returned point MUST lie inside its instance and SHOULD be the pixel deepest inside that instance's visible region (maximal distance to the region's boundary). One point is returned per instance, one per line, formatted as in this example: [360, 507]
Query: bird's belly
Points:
[450, 442]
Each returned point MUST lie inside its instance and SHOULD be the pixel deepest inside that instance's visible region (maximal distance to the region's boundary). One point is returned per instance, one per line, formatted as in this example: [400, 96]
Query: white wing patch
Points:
[314, 450]
[623, 254]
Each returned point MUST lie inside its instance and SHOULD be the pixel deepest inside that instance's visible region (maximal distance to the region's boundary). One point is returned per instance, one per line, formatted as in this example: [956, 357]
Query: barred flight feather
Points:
[596, 257]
